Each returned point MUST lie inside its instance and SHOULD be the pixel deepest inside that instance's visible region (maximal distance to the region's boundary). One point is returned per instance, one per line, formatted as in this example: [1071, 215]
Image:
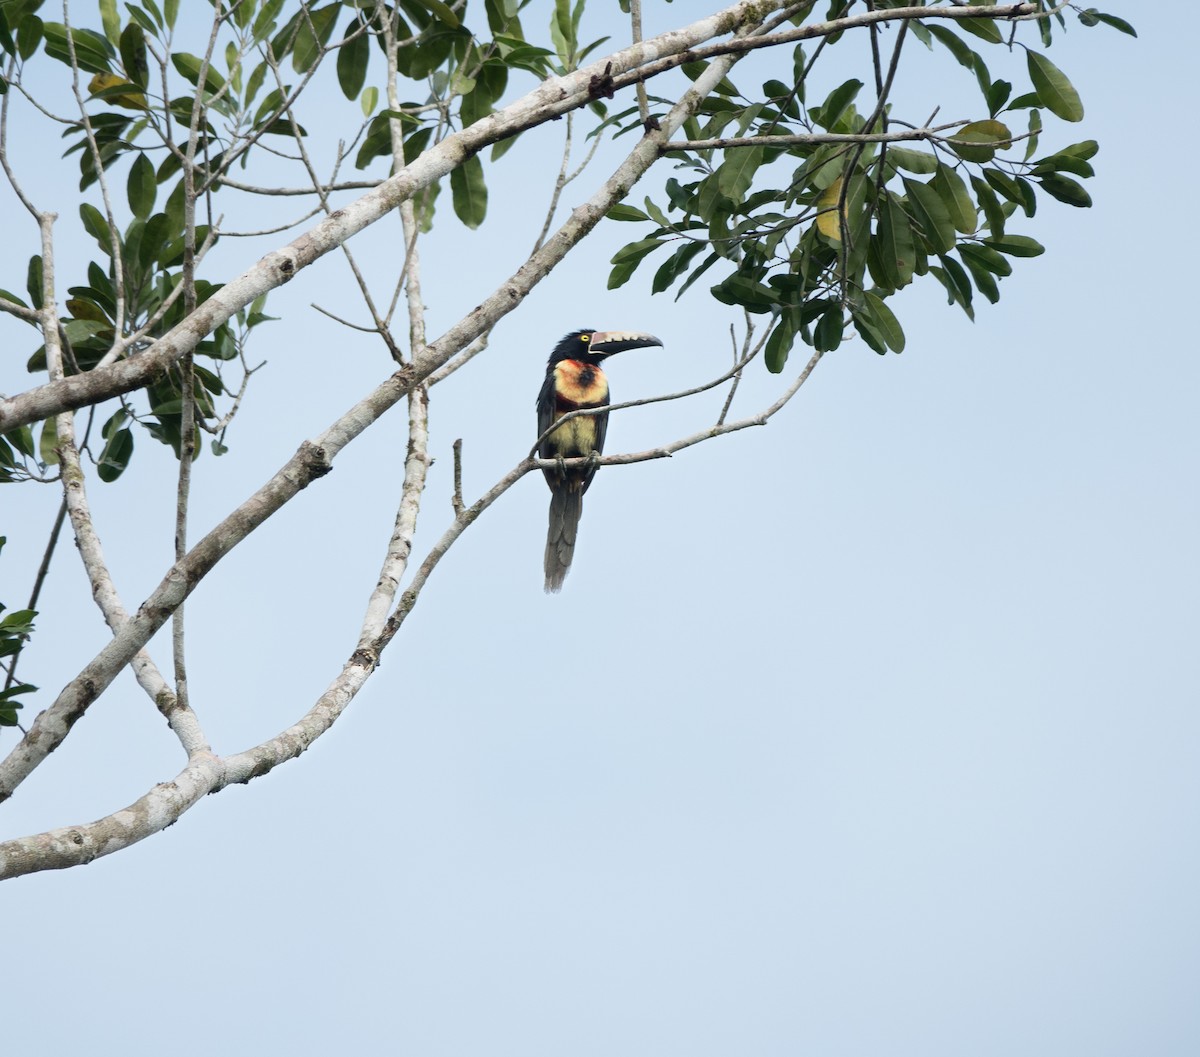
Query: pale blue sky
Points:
[871, 732]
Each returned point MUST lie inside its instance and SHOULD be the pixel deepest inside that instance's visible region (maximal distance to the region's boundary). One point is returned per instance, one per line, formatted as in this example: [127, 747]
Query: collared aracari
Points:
[574, 379]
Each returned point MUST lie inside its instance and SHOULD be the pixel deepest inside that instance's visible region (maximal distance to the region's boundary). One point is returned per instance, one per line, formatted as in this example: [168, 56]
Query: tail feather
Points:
[566, 508]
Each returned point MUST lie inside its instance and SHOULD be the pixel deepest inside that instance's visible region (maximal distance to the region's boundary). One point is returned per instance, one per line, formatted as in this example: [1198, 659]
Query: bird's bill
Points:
[606, 342]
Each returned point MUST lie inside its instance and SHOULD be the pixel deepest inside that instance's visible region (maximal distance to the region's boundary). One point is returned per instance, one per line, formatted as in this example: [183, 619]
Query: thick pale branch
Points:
[20, 311]
[75, 845]
[551, 99]
[399, 548]
[164, 805]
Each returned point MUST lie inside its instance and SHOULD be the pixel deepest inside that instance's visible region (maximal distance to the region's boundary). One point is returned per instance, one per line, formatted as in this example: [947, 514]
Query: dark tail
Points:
[566, 507]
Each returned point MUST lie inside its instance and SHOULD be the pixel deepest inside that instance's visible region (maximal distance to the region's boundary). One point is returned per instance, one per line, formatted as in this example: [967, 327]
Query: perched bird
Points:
[574, 379]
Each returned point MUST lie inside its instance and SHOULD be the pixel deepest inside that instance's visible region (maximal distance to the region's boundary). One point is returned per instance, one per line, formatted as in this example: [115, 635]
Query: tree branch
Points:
[205, 773]
[552, 98]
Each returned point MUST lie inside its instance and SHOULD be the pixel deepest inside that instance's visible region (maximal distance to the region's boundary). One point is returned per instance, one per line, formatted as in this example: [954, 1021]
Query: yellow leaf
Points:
[827, 218]
[133, 99]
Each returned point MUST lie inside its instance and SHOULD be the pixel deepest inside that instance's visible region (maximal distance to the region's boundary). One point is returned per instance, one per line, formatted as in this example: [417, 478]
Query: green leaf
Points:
[370, 99]
[931, 214]
[993, 211]
[21, 438]
[81, 308]
[33, 281]
[827, 335]
[1108, 20]
[1066, 190]
[1053, 89]
[561, 34]
[868, 331]
[984, 280]
[828, 113]
[626, 260]
[779, 344]
[983, 28]
[1063, 163]
[955, 44]
[95, 225]
[144, 20]
[674, 266]
[954, 278]
[954, 193]
[885, 324]
[110, 20]
[142, 186]
[29, 35]
[189, 68]
[897, 252]
[698, 271]
[353, 57]
[745, 292]
[442, 12]
[312, 36]
[736, 173]
[92, 50]
[1084, 150]
[914, 161]
[469, 192]
[48, 441]
[264, 22]
[1035, 129]
[997, 95]
[1018, 246]
[986, 257]
[133, 55]
[115, 456]
[978, 141]
[620, 211]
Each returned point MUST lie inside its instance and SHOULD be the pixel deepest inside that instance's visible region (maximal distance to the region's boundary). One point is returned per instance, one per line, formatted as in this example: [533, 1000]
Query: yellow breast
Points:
[576, 437]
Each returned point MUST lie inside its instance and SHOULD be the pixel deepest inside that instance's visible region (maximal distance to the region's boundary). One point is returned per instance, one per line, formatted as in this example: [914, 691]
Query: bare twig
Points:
[463, 358]
[635, 21]
[457, 501]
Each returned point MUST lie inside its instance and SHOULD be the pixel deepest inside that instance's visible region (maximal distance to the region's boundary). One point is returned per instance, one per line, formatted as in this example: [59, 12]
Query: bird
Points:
[575, 379]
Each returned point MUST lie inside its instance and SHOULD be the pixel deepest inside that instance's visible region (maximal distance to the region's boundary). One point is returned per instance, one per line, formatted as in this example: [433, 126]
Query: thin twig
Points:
[457, 501]
[635, 20]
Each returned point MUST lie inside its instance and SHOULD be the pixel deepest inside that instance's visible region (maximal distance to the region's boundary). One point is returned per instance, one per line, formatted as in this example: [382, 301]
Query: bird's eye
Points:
[585, 338]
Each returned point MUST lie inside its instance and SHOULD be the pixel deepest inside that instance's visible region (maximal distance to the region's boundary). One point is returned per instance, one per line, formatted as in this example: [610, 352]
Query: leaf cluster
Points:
[817, 213]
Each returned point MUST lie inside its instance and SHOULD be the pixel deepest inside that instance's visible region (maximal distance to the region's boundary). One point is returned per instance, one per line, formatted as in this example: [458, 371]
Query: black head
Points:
[592, 346]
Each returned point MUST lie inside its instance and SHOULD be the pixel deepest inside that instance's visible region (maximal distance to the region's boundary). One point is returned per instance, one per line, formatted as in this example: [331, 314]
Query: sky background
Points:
[873, 731]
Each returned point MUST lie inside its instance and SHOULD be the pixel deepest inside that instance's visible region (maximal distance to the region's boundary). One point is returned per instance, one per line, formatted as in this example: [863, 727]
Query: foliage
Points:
[819, 229]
